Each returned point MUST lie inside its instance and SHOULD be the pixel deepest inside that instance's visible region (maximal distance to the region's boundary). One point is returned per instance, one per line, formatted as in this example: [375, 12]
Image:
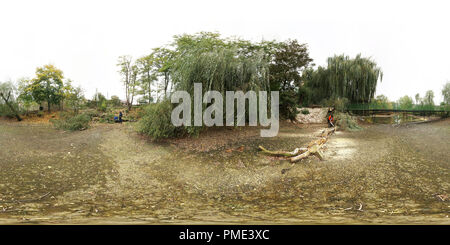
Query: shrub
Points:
[92, 113]
[6, 111]
[305, 111]
[72, 122]
[346, 122]
[156, 121]
[107, 118]
[103, 106]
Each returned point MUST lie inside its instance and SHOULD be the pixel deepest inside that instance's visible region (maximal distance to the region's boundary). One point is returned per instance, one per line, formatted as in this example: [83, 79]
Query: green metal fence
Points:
[394, 106]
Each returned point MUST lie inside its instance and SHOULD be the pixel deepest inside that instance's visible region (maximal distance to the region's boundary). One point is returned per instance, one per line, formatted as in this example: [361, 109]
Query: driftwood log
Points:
[313, 148]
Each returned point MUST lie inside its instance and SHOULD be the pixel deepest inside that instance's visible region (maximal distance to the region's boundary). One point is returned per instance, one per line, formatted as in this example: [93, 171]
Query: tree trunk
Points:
[313, 148]
[149, 87]
[149, 92]
[166, 83]
[132, 99]
[284, 153]
[14, 111]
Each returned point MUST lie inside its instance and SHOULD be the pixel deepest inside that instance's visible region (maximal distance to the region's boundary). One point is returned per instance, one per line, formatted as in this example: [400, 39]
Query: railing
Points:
[395, 107]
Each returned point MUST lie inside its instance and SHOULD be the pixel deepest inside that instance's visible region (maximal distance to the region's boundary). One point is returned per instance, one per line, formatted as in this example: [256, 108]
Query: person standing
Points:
[120, 117]
[330, 117]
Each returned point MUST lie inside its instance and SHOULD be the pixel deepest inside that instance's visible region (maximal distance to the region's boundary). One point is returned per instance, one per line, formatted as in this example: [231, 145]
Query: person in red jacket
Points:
[330, 117]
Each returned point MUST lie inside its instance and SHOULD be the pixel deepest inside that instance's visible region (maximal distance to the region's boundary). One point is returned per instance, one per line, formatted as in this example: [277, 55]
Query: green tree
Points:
[73, 96]
[355, 79]
[417, 98]
[7, 94]
[147, 76]
[47, 86]
[128, 71]
[290, 59]
[25, 98]
[115, 101]
[446, 93]
[163, 60]
[218, 64]
[428, 100]
[382, 102]
[405, 102]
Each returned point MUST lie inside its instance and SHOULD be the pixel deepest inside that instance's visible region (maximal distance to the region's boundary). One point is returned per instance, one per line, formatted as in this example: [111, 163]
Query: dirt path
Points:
[108, 174]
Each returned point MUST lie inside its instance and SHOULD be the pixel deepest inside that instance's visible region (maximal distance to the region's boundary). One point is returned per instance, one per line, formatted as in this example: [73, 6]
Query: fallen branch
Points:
[284, 153]
[313, 148]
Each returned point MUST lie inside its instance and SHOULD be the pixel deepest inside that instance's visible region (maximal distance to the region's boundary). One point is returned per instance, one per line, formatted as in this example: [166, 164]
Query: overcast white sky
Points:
[410, 40]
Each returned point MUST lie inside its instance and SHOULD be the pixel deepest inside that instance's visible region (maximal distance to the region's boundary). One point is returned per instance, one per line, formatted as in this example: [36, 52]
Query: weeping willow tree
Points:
[221, 69]
[218, 64]
[355, 79]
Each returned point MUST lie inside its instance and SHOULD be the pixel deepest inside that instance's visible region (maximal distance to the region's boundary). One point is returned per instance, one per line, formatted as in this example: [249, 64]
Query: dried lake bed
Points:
[108, 174]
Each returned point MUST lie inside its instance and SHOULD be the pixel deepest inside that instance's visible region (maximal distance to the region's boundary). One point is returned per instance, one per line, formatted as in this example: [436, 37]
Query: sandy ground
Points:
[110, 175]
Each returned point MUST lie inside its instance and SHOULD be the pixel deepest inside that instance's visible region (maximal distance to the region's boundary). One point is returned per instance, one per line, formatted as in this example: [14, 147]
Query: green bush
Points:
[156, 121]
[305, 111]
[107, 118]
[6, 111]
[72, 122]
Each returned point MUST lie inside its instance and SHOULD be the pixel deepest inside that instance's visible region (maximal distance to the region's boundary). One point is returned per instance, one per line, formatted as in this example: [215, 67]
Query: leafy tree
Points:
[163, 60]
[7, 91]
[446, 93]
[405, 102]
[355, 79]
[47, 86]
[147, 76]
[115, 101]
[216, 63]
[25, 97]
[382, 102]
[280, 63]
[429, 98]
[129, 73]
[73, 96]
[417, 98]
[219, 64]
